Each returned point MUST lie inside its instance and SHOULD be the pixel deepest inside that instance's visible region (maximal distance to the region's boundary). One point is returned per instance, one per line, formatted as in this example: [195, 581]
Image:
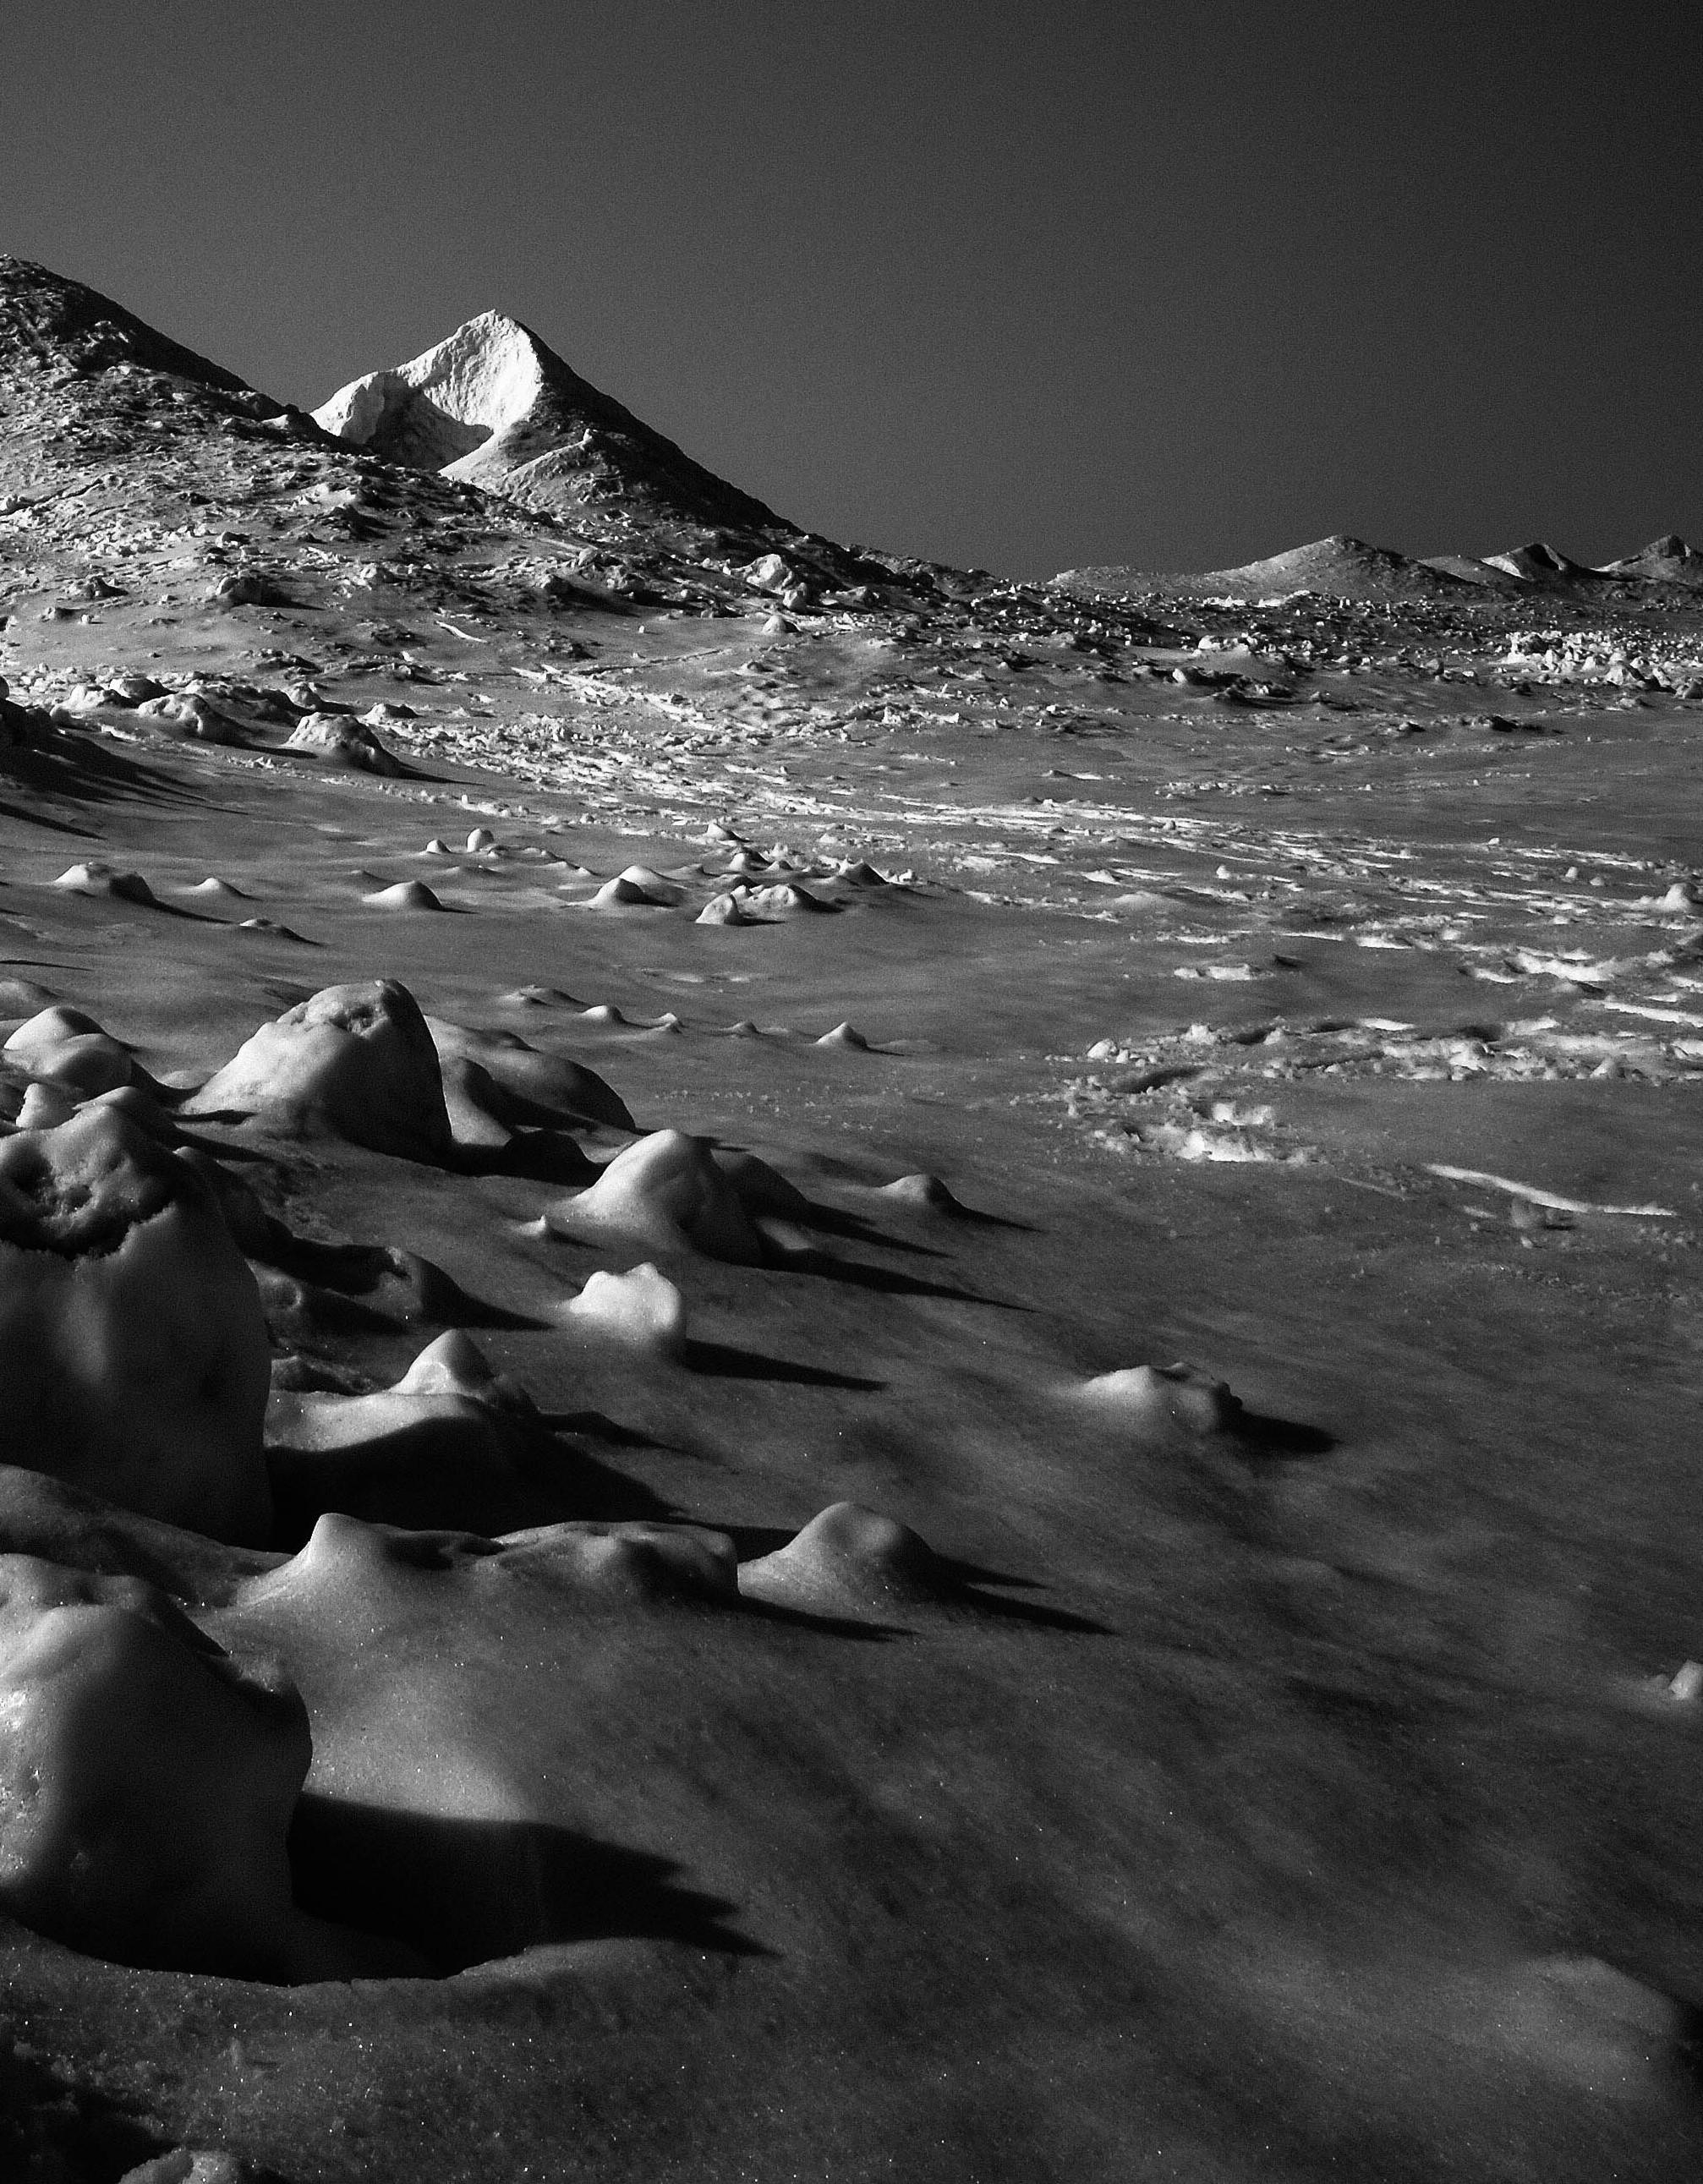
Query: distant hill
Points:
[1338, 567]
[483, 476]
[1347, 568]
[1469, 569]
[1667, 560]
[1540, 563]
[52, 323]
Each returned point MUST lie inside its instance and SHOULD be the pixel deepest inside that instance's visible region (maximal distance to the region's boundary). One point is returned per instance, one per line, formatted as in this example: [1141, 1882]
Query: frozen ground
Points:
[1282, 1768]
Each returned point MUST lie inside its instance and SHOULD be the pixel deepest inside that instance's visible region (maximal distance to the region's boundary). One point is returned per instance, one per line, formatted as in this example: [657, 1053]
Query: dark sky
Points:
[1017, 285]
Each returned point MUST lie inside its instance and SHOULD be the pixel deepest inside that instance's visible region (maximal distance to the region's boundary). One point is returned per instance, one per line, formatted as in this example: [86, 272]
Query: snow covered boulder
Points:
[62, 1046]
[248, 588]
[559, 1089]
[344, 741]
[769, 572]
[357, 1060]
[133, 1355]
[192, 716]
[146, 1780]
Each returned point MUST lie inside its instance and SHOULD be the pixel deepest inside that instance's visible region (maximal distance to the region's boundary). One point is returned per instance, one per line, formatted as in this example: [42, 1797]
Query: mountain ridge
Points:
[51, 318]
[1343, 566]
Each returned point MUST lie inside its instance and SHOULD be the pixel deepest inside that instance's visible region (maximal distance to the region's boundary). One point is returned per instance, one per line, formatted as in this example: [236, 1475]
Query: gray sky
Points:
[1021, 285]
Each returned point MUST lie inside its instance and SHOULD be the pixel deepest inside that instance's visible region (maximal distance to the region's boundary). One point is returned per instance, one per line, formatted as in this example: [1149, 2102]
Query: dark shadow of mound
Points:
[721, 1361]
[534, 1156]
[956, 1599]
[1688, 2044]
[68, 767]
[972, 1216]
[943, 1207]
[10, 811]
[397, 1288]
[463, 1892]
[964, 1584]
[961, 1586]
[832, 1221]
[587, 1487]
[55, 2132]
[219, 1149]
[1035, 1612]
[752, 1541]
[122, 893]
[1266, 1436]
[888, 1281]
[825, 1626]
[1376, 1715]
[448, 1476]
[599, 1425]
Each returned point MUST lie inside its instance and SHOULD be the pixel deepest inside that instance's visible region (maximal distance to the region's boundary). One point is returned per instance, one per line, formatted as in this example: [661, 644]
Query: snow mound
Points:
[624, 892]
[848, 1558]
[402, 894]
[343, 740]
[63, 1047]
[98, 879]
[191, 717]
[1163, 1397]
[357, 1060]
[665, 1192]
[133, 1353]
[642, 1308]
[447, 1442]
[147, 1780]
[562, 1090]
[636, 1563]
[928, 1192]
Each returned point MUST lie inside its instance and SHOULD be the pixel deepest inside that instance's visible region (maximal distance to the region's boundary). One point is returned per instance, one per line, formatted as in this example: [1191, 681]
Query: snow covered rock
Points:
[147, 1780]
[357, 1060]
[191, 717]
[63, 1047]
[344, 740]
[133, 1353]
[559, 1089]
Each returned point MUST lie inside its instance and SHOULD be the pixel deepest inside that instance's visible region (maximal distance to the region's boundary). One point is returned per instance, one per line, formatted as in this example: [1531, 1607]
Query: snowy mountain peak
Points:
[494, 405]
